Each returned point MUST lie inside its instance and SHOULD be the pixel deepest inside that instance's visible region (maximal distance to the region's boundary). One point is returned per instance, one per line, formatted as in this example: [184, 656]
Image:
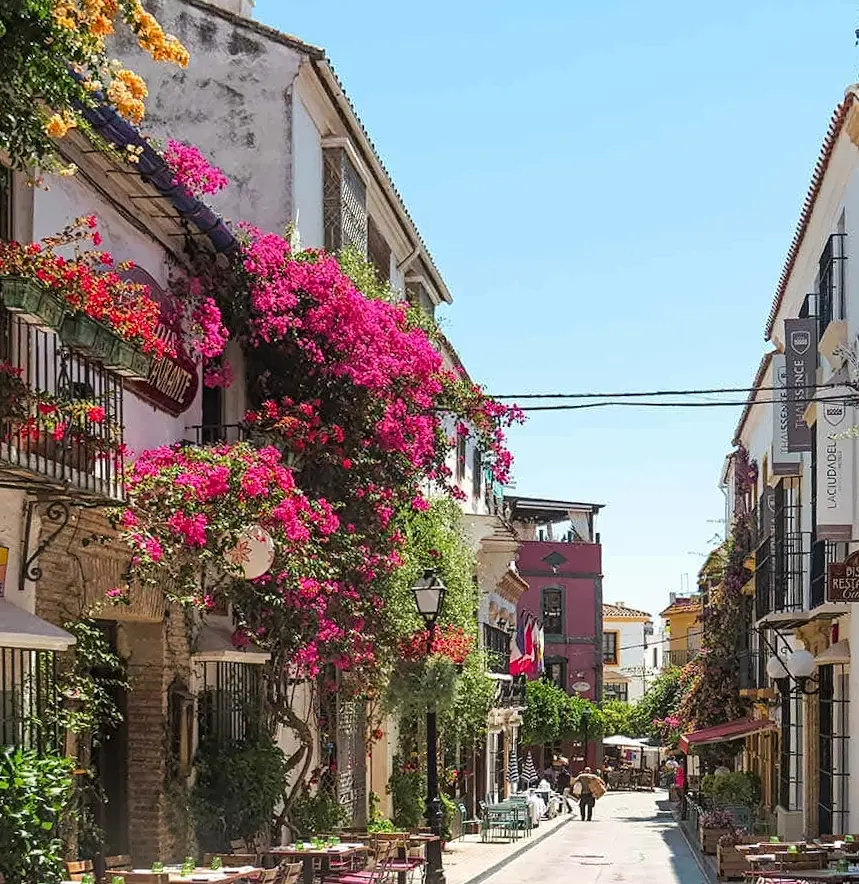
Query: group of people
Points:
[585, 788]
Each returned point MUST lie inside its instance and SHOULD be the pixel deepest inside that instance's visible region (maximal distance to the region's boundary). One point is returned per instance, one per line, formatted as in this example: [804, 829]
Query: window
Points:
[230, 704]
[553, 612]
[609, 648]
[461, 442]
[556, 673]
[344, 198]
[378, 251]
[616, 692]
[655, 658]
[476, 473]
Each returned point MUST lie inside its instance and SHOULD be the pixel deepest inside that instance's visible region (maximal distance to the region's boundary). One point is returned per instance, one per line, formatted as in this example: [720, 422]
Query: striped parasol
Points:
[529, 771]
[513, 767]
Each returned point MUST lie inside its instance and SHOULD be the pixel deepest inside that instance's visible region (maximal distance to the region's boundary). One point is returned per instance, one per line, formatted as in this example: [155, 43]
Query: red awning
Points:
[721, 733]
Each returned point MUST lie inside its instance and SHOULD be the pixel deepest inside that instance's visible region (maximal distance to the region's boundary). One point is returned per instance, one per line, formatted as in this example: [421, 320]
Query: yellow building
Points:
[682, 620]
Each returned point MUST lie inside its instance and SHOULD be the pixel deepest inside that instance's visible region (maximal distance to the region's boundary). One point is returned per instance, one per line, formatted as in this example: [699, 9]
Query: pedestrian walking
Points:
[590, 787]
[562, 786]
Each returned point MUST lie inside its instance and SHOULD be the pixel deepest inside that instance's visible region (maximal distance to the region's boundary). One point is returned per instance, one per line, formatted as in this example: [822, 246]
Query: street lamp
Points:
[797, 666]
[429, 597]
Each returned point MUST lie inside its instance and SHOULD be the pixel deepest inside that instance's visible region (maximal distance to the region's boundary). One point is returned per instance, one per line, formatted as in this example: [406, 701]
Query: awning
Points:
[21, 629]
[839, 653]
[722, 733]
[215, 645]
[628, 742]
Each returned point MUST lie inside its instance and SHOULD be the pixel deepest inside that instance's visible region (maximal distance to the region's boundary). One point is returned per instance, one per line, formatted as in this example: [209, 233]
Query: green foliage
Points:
[660, 701]
[236, 791]
[377, 823]
[553, 715]
[88, 686]
[448, 809]
[36, 795]
[618, 718]
[316, 813]
[464, 720]
[415, 685]
[407, 786]
[739, 787]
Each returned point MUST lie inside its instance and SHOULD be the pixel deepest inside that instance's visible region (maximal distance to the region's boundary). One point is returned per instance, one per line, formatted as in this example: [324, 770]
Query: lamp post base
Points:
[434, 868]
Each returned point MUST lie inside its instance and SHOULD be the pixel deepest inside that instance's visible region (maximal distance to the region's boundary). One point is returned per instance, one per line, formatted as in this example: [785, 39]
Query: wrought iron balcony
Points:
[512, 693]
[781, 565]
[212, 434]
[496, 643]
[65, 450]
[823, 554]
[679, 657]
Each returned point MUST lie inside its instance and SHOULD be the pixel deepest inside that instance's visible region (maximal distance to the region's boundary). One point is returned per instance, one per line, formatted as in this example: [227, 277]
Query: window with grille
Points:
[553, 611]
[616, 692]
[790, 756]
[230, 703]
[476, 473]
[609, 647]
[378, 251]
[556, 673]
[830, 298]
[344, 198]
[27, 696]
[461, 448]
[834, 777]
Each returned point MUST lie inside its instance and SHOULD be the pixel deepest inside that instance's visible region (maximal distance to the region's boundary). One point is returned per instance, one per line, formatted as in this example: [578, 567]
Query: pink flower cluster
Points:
[192, 170]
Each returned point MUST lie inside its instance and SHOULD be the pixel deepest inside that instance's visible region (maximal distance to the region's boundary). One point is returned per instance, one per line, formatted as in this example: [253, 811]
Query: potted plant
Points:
[31, 301]
[730, 863]
[711, 826]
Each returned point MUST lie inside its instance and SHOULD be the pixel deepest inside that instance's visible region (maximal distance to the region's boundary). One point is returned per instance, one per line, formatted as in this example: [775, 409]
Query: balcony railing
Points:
[512, 693]
[496, 643]
[781, 564]
[679, 657]
[42, 453]
[212, 434]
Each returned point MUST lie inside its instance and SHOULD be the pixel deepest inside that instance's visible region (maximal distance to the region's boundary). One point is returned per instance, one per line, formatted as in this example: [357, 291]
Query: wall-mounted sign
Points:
[843, 582]
[835, 456]
[800, 350]
[785, 462]
[4, 561]
[581, 686]
[173, 381]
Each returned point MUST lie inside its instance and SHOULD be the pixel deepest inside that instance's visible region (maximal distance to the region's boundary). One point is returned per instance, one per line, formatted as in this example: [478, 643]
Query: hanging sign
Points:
[843, 582]
[835, 456]
[784, 461]
[800, 350]
[173, 381]
[253, 554]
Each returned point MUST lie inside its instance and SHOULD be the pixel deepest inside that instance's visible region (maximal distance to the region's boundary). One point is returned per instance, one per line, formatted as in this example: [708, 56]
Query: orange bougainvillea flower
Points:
[59, 124]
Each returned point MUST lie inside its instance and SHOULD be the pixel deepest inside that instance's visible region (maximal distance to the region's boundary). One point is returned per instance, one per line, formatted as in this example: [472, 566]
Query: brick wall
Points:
[151, 638]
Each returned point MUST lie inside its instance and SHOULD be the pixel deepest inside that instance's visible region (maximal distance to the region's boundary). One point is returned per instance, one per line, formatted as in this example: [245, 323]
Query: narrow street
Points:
[633, 838]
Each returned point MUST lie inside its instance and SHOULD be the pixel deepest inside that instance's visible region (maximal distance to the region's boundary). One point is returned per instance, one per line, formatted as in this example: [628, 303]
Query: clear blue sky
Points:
[609, 190]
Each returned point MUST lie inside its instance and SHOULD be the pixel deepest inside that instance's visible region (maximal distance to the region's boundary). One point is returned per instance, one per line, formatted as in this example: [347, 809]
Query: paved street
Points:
[633, 838]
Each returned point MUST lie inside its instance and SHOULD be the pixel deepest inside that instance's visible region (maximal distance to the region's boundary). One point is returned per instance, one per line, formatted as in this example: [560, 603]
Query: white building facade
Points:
[631, 653]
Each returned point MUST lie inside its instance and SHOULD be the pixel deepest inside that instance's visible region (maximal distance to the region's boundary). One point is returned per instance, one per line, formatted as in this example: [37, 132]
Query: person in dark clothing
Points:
[562, 787]
[591, 785]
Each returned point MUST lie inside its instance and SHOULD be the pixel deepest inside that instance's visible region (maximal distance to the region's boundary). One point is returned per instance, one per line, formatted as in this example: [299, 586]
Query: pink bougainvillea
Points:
[192, 170]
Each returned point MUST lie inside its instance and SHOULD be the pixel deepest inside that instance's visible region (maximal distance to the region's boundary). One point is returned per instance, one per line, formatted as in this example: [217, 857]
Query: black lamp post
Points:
[429, 597]
[586, 720]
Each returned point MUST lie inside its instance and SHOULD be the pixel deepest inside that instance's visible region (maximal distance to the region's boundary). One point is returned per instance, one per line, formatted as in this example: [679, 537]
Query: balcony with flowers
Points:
[71, 329]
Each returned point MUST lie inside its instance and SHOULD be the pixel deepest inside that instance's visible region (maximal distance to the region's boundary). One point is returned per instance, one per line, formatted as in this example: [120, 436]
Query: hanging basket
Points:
[32, 302]
[127, 360]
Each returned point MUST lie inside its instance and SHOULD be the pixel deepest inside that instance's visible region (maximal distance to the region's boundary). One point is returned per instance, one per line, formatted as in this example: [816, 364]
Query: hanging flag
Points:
[517, 649]
[541, 650]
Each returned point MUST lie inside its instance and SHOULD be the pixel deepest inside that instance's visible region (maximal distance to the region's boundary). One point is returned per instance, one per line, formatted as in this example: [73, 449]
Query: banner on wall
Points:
[835, 462]
[800, 350]
[784, 461]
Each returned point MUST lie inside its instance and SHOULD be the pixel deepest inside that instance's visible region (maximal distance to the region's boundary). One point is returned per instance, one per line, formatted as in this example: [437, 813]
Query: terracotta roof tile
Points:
[621, 611]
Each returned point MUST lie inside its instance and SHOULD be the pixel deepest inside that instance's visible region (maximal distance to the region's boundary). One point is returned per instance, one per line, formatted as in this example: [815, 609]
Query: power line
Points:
[721, 404]
[640, 393]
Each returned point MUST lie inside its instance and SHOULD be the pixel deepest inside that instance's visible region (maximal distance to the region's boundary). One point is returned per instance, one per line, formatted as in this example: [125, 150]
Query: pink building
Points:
[560, 557]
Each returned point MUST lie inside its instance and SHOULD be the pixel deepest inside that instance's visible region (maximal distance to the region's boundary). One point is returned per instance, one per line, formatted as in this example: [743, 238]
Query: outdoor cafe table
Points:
[201, 875]
[829, 875]
[309, 854]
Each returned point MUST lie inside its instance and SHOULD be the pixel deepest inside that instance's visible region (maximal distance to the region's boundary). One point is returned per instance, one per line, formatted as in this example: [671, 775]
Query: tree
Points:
[660, 701]
[618, 718]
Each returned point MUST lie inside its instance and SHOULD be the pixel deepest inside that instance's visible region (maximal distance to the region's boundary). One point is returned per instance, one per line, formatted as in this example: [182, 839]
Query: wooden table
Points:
[201, 875]
[309, 854]
[809, 875]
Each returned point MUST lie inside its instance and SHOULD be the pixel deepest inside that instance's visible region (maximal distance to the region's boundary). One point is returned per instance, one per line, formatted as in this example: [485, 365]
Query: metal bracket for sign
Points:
[57, 512]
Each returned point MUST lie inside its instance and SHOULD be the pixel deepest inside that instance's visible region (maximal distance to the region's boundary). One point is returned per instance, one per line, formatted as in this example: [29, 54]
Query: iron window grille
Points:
[615, 691]
[553, 611]
[230, 703]
[344, 196]
[28, 698]
[834, 752]
[784, 558]
[790, 754]
[830, 297]
[476, 473]
[84, 464]
[496, 643]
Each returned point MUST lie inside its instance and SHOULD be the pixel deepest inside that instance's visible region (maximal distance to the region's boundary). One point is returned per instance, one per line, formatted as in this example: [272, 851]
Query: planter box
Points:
[86, 335]
[34, 304]
[710, 839]
[126, 360]
[730, 863]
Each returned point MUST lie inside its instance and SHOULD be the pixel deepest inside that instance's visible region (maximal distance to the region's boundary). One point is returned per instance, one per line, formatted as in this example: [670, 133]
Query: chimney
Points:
[672, 597]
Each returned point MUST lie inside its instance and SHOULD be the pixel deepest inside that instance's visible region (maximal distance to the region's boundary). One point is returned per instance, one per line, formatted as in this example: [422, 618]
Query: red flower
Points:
[96, 414]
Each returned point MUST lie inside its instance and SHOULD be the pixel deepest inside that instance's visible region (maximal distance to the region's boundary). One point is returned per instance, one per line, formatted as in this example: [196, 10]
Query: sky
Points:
[609, 191]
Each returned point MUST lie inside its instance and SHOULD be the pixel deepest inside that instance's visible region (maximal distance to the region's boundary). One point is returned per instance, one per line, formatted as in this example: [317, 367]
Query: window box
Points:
[82, 333]
[127, 360]
[32, 302]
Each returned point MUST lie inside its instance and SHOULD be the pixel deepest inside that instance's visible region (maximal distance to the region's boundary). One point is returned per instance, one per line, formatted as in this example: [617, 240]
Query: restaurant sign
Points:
[843, 583]
[173, 381]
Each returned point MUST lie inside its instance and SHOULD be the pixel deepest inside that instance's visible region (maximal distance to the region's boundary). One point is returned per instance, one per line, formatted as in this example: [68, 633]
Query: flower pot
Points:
[710, 839]
[32, 302]
[127, 360]
[81, 332]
